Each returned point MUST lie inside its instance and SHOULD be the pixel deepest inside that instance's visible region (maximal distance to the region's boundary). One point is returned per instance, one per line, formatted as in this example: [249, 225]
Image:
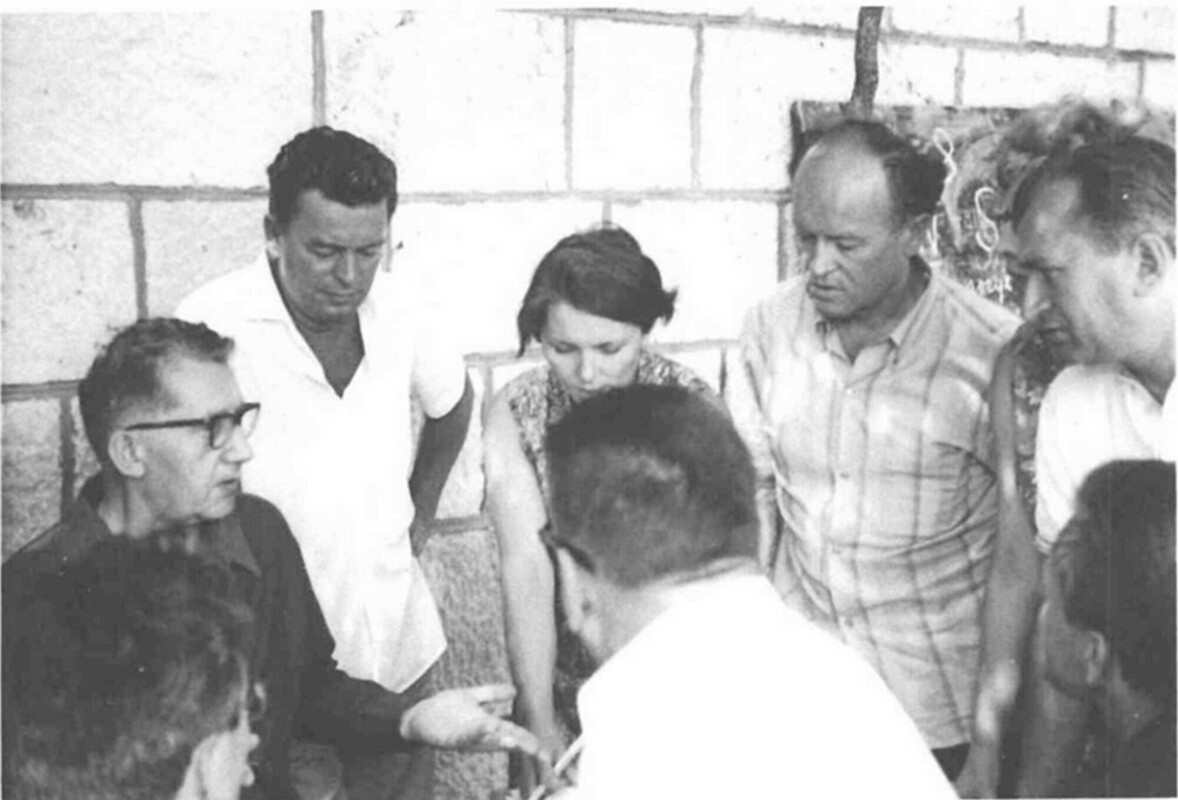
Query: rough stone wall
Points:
[134, 148]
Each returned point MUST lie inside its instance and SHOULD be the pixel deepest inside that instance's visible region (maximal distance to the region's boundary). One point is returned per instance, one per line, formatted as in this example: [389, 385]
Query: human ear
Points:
[1094, 651]
[1155, 262]
[272, 230]
[126, 453]
[572, 588]
[916, 229]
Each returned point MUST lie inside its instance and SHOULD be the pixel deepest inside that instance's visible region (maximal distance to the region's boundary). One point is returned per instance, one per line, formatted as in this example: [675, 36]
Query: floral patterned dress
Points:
[538, 400]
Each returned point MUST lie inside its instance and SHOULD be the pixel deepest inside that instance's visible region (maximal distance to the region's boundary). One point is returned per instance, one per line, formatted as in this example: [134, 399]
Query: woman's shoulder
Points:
[526, 395]
[660, 370]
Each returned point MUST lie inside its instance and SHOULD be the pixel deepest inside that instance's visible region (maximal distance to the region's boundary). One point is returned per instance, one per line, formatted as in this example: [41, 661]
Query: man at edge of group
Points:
[870, 373]
[169, 426]
[708, 685]
[332, 346]
[1095, 244]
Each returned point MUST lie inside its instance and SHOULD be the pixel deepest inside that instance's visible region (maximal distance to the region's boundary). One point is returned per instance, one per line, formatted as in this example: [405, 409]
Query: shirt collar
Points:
[265, 299]
[902, 334]
[224, 540]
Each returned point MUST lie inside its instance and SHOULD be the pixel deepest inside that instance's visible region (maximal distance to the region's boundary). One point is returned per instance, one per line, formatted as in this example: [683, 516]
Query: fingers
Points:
[492, 693]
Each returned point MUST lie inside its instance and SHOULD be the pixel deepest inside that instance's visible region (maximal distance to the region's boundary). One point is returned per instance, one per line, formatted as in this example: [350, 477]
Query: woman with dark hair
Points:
[592, 301]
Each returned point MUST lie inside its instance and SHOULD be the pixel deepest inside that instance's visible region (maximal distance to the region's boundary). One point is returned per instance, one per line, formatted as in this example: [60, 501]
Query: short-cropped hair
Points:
[1125, 185]
[915, 172]
[128, 371]
[137, 658]
[649, 483]
[1116, 562]
[345, 168]
[602, 271]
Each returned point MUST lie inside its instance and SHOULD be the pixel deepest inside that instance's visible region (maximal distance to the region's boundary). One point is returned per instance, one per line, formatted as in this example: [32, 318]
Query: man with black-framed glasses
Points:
[164, 414]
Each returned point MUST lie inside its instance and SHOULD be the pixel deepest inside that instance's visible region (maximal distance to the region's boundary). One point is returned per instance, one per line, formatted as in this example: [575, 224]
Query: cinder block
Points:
[1145, 27]
[722, 257]
[975, 20]
[1081, 24]
[464, 100]
[631, 105]
[472, 262]
[750, 78]
[915, 74]
[741, 400]
[188, 243]
[462, 495]
[32, 470]
[1003, 79]
[152, 98]
[704, 362]
[85, 462]
[69, 280]
[1161, 85]
[825, 14]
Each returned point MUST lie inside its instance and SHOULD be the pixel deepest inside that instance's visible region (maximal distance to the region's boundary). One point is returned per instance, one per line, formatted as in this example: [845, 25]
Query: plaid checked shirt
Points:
[885, 484]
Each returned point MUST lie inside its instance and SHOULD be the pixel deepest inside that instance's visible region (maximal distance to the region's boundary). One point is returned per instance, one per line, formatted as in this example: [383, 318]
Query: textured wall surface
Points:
[135, 146]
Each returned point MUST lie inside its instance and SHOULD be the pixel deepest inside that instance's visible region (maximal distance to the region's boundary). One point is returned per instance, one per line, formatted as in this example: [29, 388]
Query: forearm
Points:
[352, 713]
[441, 442]
[530, 621]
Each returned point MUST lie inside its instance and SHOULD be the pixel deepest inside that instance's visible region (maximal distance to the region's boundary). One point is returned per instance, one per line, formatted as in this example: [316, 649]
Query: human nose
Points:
[821, 257]
[345, 268]
[238, 450]
[1035, 296]
[586, 368]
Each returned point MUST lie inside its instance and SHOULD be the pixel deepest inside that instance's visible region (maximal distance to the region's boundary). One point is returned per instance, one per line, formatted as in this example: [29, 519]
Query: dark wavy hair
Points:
[915, 172]
[344, 167]
[128, 371]
[650, 482]
[1126, 188]
[602, 271]
[1116, 562]
[137, 658]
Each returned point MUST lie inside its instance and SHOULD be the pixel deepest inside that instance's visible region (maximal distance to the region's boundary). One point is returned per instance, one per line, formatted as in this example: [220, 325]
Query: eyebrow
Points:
[316, 242]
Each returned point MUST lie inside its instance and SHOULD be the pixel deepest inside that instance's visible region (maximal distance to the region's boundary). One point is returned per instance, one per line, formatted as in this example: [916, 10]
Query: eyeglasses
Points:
[220, 426]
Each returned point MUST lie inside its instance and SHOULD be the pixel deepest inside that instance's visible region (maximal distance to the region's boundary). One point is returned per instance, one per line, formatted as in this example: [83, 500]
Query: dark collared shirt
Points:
[290, 651]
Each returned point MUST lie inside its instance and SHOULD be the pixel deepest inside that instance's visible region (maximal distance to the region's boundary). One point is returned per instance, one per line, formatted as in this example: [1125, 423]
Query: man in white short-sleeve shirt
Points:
[329, 341]
[1095, 245]
[710, 686]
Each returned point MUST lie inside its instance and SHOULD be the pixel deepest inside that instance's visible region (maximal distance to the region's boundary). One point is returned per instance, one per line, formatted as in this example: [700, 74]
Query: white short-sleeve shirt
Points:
[729, 693]
[338, 467]
[1092, 415]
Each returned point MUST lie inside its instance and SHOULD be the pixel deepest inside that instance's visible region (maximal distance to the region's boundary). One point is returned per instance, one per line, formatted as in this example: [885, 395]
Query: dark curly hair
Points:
[1116, 562]
[138, 656]
[344, 167]
[602, 271]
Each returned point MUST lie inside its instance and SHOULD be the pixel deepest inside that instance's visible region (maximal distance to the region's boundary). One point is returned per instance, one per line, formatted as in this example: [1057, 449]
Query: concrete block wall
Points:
[134, 149]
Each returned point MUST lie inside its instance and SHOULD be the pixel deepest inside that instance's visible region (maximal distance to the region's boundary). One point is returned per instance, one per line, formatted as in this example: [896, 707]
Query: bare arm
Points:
[1011, 591]
[1054, 736]
[517, 511]
[441, 442]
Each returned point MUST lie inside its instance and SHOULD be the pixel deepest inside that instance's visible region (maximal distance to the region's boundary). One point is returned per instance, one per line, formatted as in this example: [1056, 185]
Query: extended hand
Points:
[469, 719]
